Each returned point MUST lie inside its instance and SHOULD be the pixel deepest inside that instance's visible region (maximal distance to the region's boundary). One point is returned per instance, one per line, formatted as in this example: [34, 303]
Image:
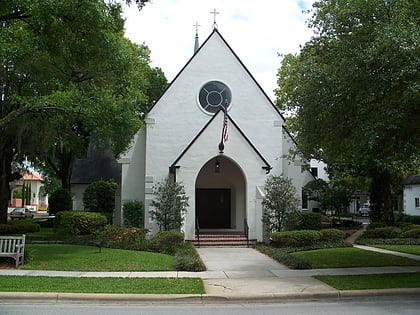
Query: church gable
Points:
[179, 115]
[238, 147]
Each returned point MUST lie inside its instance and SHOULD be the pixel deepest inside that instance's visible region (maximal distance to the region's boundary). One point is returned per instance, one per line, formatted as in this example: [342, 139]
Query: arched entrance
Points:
[220, 195]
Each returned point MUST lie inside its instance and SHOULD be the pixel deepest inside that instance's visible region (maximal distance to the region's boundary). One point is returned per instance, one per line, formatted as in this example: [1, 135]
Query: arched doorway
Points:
[220, 195]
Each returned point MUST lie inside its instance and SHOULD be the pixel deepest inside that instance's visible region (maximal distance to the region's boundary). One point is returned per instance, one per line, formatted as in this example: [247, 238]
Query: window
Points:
[304, 201]
[213, 96]
[417, 202]
[314, 171]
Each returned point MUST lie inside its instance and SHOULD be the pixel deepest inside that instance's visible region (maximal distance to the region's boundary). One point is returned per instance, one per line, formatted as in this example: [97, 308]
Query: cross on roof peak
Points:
[196, 27]
[214, 12]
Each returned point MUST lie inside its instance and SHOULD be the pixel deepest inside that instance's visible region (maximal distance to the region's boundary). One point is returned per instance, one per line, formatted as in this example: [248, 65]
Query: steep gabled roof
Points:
[215, 31]
[100, 164]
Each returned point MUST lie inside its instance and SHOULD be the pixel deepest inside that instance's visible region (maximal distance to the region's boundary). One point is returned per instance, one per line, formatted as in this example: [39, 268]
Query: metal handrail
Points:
[246, 231]
[197, 231]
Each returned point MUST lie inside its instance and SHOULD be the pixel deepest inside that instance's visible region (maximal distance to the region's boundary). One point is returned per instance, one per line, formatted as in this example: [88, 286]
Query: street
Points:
[363, 305]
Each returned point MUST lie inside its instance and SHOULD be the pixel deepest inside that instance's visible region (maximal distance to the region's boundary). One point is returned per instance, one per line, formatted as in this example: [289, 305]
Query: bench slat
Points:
[14, 247]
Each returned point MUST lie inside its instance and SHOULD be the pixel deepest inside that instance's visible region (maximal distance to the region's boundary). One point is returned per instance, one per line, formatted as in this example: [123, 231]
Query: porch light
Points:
[217, 167]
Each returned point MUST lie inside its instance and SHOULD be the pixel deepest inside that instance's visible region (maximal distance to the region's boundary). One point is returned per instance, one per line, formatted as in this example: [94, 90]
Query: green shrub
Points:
[402, 217]
[345, 223]
[124, 238]
[300, 220]
[405, 226]
[414, 233]
[295, 238]
[332, 235]
[167, 242]
[19, 228]
[170, 205]
[79, 223]
[384, 232]
[187, 259]
[375, 225]
[387, 241]
[100, 196]
[60, 200]
[133, 214]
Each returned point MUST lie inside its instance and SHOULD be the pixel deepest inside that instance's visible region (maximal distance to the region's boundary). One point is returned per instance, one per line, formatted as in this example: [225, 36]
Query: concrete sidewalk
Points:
[233, 274]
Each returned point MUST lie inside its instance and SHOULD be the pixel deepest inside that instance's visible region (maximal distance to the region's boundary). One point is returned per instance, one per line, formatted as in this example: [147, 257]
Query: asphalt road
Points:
[360, 306]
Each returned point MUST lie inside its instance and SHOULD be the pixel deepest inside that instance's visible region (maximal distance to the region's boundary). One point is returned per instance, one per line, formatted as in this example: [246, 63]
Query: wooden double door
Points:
[213, 208]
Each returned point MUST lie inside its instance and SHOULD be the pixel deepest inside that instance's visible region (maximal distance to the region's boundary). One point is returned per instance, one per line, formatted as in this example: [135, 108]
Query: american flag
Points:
[225, 129]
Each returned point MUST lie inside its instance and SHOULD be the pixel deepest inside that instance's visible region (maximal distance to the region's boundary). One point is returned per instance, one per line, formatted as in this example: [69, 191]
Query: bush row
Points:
[79, 222]
[300, 220]
[405, 218]
[19, 228]
[305, 237]
[124, 238]
[393, 232]
[187, 258]
[388, 241]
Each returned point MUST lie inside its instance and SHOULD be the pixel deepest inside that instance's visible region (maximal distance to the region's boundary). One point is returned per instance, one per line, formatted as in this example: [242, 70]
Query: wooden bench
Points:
[13, 247]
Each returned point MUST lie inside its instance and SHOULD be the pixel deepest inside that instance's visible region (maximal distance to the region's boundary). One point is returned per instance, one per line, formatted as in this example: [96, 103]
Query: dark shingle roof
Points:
[412, 180]
[100, 164]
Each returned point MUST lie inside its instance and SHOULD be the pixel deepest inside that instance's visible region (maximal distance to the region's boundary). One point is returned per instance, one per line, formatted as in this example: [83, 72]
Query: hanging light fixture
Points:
[217, 166]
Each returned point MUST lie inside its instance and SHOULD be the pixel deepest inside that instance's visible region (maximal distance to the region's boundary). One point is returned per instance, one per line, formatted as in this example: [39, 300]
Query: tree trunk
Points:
[63, 167]
[380, 195]
[6, 157]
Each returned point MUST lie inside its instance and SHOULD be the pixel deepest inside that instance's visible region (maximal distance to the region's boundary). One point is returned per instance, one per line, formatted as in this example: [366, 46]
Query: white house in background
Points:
[182, 136]
[38, 198]
[411, 195]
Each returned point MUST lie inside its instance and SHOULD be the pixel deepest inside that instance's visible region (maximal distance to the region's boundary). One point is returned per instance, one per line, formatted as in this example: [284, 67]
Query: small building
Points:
[411, 195]
[38, 196]
[100, 164]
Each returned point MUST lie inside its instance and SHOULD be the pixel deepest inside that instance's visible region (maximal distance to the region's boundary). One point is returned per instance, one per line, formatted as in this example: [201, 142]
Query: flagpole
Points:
[224, 131]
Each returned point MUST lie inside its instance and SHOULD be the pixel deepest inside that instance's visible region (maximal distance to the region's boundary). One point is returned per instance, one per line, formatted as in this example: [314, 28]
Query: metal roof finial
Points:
[214, 12]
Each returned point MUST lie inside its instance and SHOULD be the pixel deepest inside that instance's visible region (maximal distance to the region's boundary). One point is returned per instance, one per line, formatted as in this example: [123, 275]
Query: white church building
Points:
[181, 139]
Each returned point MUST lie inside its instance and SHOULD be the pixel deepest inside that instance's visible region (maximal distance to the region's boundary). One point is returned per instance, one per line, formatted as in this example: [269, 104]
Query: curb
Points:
[201, 298]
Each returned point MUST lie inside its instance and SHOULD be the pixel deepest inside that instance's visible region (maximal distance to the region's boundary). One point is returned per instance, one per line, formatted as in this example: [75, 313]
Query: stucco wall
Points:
[410, 193]
[177, 118]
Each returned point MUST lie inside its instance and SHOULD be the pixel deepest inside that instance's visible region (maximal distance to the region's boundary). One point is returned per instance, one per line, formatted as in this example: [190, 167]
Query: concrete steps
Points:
[223, 239]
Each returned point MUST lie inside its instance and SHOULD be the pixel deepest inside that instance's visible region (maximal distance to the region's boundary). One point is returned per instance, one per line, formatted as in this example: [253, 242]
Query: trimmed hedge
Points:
[187, 259]
[388, 241]
[167, 242]
[133, 212]
[383, 232]
[124, 238]
[345, 223]
[295, 238]
[402, 217]
[414, 233]
[300, 220]
[332, 235]
[19, 228]
[79, 223]
[60, 200]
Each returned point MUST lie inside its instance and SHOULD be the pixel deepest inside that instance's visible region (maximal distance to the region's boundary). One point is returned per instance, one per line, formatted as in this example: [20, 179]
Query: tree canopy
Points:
[354, 90]
[68, 78]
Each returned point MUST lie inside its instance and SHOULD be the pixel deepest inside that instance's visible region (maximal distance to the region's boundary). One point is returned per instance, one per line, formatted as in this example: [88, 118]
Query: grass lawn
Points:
[102, 285]
[64, 257]
[44, 233]
[351, 257]
[364, 282]
[409, 249]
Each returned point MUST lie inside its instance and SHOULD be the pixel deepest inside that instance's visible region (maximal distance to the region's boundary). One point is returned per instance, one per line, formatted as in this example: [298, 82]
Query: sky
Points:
[257, 31]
